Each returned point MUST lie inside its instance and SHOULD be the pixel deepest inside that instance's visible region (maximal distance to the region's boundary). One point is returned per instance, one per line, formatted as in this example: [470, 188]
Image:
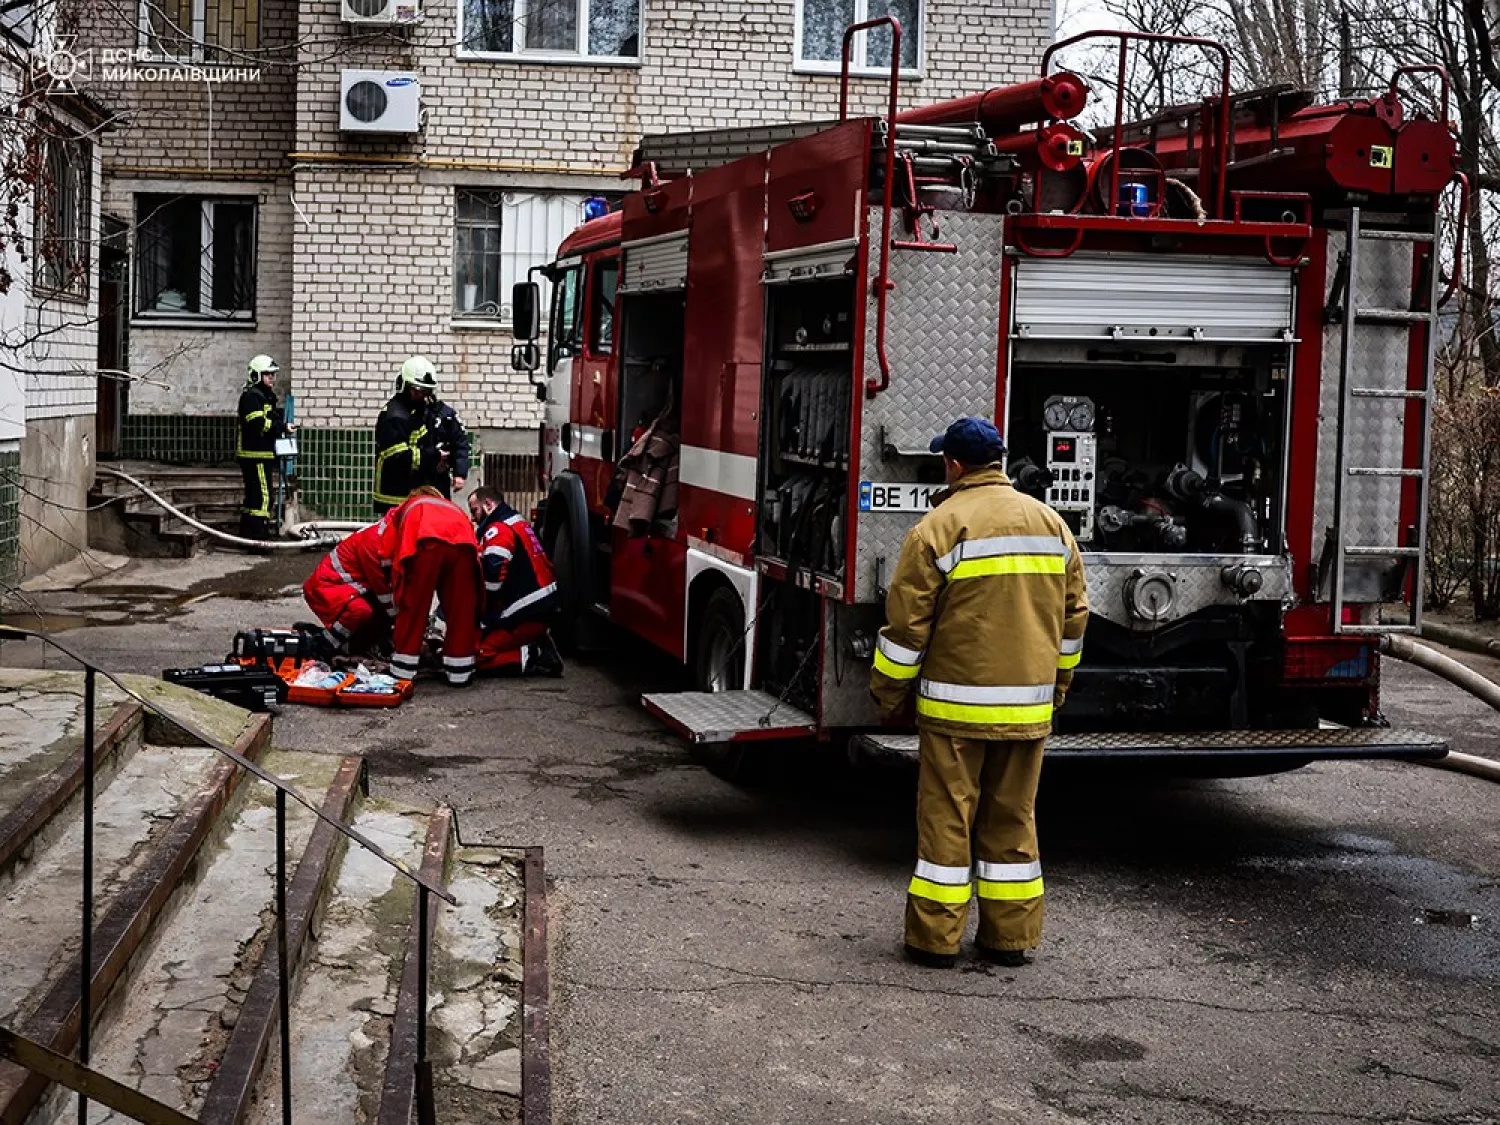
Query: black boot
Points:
[929, 960]
[543, 659]
[1009, 958]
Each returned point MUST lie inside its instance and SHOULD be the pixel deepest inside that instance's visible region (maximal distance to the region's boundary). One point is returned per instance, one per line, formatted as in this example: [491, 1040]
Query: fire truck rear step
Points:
[1339, 743]
[729, 716]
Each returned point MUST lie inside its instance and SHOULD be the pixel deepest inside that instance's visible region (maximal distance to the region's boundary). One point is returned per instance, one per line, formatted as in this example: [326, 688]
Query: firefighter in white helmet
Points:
[260, 422]
[418, 439]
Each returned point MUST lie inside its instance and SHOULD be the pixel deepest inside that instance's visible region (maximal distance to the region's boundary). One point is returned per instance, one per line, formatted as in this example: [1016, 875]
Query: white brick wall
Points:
[60, 353]
[201, 370]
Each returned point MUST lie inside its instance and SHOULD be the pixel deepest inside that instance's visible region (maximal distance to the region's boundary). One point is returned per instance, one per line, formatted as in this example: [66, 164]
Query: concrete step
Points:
[131, 817]
[125, 520]
[186, 955]
[166, 1036]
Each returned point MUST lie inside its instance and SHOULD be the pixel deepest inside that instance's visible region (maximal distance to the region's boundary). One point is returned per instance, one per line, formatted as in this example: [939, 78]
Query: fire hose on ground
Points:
[1460, 675]
[315, 533]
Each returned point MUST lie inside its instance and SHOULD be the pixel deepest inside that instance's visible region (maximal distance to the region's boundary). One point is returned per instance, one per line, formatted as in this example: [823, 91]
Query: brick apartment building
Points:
[261, 221]
[57, 269]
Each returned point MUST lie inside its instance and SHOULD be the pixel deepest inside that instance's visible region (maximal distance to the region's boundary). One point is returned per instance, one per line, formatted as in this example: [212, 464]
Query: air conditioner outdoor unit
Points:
[379, 101]
[381, 11]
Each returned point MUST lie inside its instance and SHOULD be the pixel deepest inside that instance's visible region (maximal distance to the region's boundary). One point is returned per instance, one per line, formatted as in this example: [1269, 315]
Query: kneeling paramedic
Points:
[520, 596]
[350, 591]
[985, 622]
[432, 550]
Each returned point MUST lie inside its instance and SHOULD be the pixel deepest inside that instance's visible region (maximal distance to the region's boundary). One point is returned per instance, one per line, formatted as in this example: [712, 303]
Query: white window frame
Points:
[196, 51]
[857, 64]
[518, 19]
[239, 318]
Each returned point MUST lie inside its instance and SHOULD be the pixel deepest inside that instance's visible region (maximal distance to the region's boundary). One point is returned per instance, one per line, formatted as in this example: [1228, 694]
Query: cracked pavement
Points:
[1254, 951]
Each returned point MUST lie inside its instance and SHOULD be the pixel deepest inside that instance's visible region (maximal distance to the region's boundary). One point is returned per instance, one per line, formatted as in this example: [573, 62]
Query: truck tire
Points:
[570, 598]
[718, 664]
[719, 644]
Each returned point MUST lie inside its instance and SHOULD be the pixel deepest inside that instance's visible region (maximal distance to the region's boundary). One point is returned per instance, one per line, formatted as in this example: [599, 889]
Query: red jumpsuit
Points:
[432, 549]
[350, 591]
[520, 593]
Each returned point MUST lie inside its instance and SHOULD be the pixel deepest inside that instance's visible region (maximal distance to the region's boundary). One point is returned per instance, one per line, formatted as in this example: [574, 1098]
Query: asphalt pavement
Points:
[1319, 946]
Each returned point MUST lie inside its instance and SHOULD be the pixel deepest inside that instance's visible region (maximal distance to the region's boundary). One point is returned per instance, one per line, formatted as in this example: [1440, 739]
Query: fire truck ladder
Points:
[1360, 323]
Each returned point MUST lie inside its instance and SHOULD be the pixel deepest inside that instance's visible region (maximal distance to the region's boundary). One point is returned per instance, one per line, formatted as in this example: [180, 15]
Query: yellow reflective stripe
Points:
[254, 414]
[940, 892]
[265, 495]
[382, 498]
[1069, 660]
[1010, 564]
[412, 443]
[984, 714]
[253, 454]
[1010, 892]
[891, 670]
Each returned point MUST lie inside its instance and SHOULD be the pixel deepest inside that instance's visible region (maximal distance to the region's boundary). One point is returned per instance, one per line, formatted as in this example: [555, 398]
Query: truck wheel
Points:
[719, 665]
[569, 595]
[719, 651]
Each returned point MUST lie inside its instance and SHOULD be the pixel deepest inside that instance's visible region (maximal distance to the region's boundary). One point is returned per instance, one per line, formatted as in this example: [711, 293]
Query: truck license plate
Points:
[876, 496]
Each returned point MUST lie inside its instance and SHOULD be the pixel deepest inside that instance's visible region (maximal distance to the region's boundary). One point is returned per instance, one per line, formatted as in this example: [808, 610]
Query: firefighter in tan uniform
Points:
[986, 614]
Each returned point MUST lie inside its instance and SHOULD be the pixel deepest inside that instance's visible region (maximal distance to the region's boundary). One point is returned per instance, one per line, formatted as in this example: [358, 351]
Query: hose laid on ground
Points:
[1460, 675]
[318, 543]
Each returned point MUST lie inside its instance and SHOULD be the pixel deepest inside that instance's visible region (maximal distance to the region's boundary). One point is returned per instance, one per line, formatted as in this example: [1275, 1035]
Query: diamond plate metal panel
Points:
[1196, 582]
[942, 339]
[1293, 743]
[727, 716]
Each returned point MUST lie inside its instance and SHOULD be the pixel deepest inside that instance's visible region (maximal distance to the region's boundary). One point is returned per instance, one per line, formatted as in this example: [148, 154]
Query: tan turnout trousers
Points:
[982, 791]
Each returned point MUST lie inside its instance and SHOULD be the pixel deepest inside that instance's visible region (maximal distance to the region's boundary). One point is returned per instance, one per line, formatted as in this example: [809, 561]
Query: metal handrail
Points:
[883, 284]
[425, 885]
[1221, 142]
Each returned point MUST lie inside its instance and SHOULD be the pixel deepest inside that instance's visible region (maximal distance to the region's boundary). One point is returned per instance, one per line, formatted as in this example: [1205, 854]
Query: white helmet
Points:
[258, 366]
[418, 372]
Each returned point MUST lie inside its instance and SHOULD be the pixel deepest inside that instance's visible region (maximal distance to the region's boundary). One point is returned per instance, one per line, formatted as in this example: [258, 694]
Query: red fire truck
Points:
[1207, 338]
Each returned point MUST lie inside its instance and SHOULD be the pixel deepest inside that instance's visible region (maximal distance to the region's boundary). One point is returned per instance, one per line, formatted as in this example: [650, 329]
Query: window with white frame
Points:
[498, 235]
[195, 256]
[64, 212]
[212, 31]
[820, 35]
[551, 30]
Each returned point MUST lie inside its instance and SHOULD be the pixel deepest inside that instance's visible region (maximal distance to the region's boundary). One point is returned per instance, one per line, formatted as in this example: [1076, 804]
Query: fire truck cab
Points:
[1206, 338]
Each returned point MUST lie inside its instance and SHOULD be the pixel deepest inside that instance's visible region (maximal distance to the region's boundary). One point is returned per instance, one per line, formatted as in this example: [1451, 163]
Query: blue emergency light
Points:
[595, 207]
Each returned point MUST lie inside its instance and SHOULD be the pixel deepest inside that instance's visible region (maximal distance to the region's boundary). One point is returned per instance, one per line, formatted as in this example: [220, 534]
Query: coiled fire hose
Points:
[310, 542]
[1460, 675]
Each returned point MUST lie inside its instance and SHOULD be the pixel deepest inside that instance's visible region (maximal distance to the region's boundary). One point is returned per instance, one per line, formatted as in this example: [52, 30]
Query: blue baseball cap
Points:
[971, 441]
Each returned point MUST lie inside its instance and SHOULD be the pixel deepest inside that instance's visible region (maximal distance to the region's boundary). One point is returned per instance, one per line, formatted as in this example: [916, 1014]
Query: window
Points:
[567, 321]
[551, 30]
[820, 35]
[602, 315]
[213, 31]
[195, 256]
[498, 236]
[63, 192]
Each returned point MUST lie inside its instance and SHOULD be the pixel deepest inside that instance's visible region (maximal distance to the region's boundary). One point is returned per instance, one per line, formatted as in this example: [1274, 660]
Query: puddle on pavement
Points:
[104, 606]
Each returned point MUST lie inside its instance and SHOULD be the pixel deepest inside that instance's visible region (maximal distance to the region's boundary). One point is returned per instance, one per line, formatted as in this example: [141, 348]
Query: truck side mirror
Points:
[525, 357]
[526, 310]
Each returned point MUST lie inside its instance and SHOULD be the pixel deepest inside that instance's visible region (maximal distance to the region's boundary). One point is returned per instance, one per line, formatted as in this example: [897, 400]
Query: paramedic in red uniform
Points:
[432, 549]
[520, 596]
[350, 591]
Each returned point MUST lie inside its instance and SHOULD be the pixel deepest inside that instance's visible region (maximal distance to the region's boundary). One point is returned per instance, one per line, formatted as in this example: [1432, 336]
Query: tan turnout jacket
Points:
[985, 615]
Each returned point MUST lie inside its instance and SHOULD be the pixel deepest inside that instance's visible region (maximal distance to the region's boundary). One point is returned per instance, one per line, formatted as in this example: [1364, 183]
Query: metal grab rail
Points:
[425, 885]
[883, 284]
[1221, 139]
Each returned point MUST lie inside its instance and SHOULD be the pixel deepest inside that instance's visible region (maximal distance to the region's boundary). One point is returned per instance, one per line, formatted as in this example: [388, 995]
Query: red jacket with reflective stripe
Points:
[425, 519]
[518, 581]
[361, 561]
